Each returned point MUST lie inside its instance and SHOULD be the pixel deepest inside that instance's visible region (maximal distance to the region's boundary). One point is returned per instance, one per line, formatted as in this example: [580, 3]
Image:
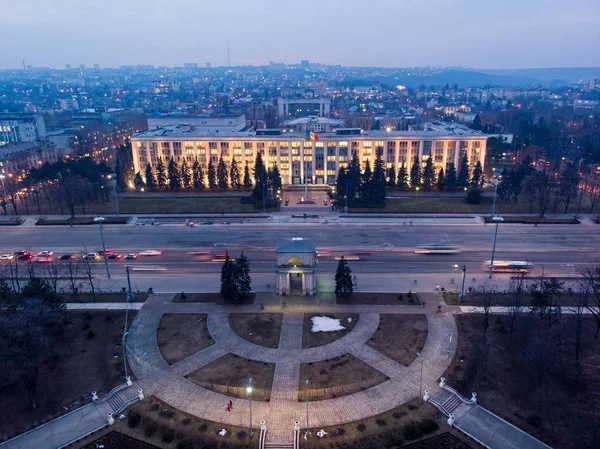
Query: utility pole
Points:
[249, 396]
[113, 177]
[462, 288]
[130, 298]
[421, 383]
[100, 220]
[306, 397]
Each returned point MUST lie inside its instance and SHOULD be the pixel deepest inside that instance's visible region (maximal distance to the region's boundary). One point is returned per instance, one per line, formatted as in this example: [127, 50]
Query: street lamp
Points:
[306, 398]
[497, 219]
[249, 396]
[421, 383]
[5, 196]
[100, 220]
[114, 184]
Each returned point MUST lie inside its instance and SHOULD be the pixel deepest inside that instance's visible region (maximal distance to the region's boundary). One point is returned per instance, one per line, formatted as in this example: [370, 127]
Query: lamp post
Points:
[100, 220]
[306, 400]
[113, 177]
[497, 219]
[421, 382]
[249, 396]
[130, 298]
[5, 196]
[462, 288]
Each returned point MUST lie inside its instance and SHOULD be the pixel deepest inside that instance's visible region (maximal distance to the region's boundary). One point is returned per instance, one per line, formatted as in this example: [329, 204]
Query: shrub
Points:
[381, 422]
[411, 431]
[412, 407]
[168, 435]
[185, 444]
[427, 426]
[186, 422]
[90, 334]
[409, 294]
[165, 413]
[473, 196]
[399, 415]
[134, 420]
[241, 435]
[154, 408]
[361, 427]
[182, 296]
[341, 431]
[203, 427]
[400, 297]
[150, 430]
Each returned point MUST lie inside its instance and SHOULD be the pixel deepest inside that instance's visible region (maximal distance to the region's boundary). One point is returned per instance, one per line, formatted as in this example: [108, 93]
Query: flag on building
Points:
[314, 136]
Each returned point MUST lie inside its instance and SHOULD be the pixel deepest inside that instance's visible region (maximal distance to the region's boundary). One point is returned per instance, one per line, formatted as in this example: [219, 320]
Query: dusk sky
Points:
[390, 33]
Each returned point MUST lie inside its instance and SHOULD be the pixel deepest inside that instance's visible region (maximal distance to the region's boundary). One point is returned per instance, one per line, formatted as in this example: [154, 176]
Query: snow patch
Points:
[349, 320]
[326, 324]
[222, 432]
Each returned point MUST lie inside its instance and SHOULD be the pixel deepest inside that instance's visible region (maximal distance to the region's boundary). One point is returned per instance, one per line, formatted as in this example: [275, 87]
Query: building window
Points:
[426, 149]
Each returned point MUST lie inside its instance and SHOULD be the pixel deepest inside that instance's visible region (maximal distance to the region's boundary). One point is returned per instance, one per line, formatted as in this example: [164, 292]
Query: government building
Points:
[308, 161]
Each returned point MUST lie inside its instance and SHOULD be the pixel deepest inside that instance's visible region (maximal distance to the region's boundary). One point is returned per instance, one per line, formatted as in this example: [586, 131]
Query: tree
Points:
[378, 181]
[415, 173]
[473, 195]
[591, 278]
[186, 175]
[569, 184]
[441, 180]
[341, 184]
[150, 177]
[402, 177]
[366, 186]
[391, 180]
[247, 179]
[138, 182]
[234, 176]
[174, 176]
[343, 279]
[229, 288]
[198, 176]
[212, 176]
[222, 180]
[477, 177]
[451, 181]
[354, 177]
[242, 277]
[476, 125]
[261, 179]
[161, 174]
[539, 188]
[276, 179]
[124, 165]
[463, 173]
[43, 290]
[428, 174]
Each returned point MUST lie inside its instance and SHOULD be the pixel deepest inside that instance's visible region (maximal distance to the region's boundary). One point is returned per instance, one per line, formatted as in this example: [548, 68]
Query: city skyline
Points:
[464, 33]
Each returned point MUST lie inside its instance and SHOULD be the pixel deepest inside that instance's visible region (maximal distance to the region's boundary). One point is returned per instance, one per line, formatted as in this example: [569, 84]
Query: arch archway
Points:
[295, 261]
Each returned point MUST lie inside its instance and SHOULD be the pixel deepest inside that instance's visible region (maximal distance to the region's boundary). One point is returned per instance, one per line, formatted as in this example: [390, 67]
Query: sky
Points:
[387, 33]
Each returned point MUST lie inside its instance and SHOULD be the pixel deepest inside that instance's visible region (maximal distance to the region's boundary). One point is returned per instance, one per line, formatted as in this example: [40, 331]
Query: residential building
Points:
[303, 107]
[315, 124]
[16, 158]
[21, 127]
[201, 123]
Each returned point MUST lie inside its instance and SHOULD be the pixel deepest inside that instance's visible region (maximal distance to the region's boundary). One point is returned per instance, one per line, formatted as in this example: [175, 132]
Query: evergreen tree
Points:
[402, 177]
[242, 276]
[415, 173]
[150, 178]
[477, 178]
[222, 174]
[174, 176]
[391, 181]
[234, 176]
[198, 176]
[161, 174]
[260, 179]
[451, 177]
[124, 165]
[229, 288]
[138, 182]
[341, 184]
[378, 181]
[276, 178]
[366, 186]
[428, 174]
[343, 279]
[212, 176]
[186, 175]
[476, 125]
[354, 177]
[441, 180]
[463, 173]
[247, 179]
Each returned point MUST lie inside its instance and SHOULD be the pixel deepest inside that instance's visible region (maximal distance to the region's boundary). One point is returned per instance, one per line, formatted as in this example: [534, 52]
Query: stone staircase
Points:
[451, 404]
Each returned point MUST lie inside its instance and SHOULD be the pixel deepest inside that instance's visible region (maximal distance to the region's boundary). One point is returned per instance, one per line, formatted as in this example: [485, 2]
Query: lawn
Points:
[400, 337]
[229, 375]
[90, 359]
[532, 380]
[102, 297]
[502, 299]
[209, 297]
[337, 377]
[180, 336]
[262, 329]
[311, 339]
[379, 299]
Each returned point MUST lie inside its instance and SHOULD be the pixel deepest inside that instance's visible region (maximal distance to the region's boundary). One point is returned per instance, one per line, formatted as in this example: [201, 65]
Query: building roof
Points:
[296, 246]
[14, 149]
[312, 120]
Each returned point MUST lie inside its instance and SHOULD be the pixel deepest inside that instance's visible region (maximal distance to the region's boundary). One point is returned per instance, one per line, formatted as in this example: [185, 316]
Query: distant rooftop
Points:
[296, 245]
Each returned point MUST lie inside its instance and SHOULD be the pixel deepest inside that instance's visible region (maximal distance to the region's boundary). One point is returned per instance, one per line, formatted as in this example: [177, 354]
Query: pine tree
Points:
[222, 174]
[428, 174]
[198, 176]
[174, 176]
[366, 186]
[476, 125]
[276, 178]
[260, 179]
[234, 176]
[161, 174]
[150, 177]
[391, 181]
[477, 178]
[378, 181]
[186, 175]
[229, 288]
[247, 179]
[212, 176]
[451, 177]
[354, 177]
[242, 276]
[402, 177]
[463, 173]
[341, 183]
[415, 173]
[343, 279]
[138, 182]
[441, 180]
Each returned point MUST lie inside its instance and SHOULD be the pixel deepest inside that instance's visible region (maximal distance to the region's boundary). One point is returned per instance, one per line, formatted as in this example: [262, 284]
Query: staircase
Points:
[451, 404]
[279, 445]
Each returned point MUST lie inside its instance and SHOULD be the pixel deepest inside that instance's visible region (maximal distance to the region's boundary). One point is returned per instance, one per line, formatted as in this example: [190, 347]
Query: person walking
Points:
[231, 405]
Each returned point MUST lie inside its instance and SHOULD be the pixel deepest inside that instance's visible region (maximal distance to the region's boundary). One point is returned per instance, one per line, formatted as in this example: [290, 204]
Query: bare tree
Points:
[515, 309]
[539, 189]
[486, 292]
[88, 267]
[13, 266]
[579, 299]
[591, 275]
[594, 191]
[73, 267]
[51, 271]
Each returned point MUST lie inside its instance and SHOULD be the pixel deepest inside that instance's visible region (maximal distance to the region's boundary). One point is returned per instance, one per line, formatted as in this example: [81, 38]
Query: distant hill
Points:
[568, 75]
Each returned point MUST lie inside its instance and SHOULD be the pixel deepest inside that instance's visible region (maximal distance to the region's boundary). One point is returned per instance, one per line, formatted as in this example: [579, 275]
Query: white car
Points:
[91, 256]
[7, 257]
[150, 252]
[45, 254]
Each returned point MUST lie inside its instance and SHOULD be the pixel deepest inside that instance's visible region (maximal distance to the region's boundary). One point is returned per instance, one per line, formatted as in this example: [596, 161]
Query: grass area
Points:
[209, 297]
[156, 423]
[400, 337]
[81, 221]
[118, 440]
[337, 377]
[180, 336]
[502, 299]
[229, 376]
[379, 299]
[89, 360]
[534, 220]
[532, 379]
[262, 329]
[102, 297]
[311, 339]
[11, 222]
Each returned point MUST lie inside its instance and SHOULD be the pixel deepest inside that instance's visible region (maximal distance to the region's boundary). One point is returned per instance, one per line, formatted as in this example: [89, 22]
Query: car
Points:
[45, 254]
[21, 253]
[67, 257]
[131, 256]
[7, 256]
[150, 252]
[108, 252]
[113, 256]
[91, 256]
[25, 256]
[42, 259]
